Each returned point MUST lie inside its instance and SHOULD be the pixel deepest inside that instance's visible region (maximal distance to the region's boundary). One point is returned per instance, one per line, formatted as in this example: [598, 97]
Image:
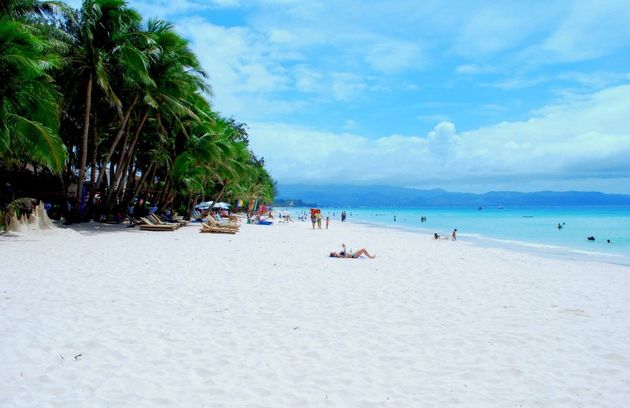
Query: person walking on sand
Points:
[313, 220]
[318, 217]
[327, 221]
[454, 235]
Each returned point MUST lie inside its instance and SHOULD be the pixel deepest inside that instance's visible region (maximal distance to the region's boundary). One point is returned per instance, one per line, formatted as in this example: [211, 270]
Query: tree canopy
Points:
[115, 109]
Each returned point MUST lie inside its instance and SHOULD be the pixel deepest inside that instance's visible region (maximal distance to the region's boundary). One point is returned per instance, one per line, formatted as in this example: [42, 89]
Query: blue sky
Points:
[462, 95]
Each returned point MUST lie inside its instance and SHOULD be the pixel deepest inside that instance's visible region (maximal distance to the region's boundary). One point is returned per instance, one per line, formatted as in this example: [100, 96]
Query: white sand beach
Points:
[108, 316]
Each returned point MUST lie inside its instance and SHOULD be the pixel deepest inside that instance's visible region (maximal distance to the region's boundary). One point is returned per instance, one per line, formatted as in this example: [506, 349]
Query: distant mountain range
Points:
[335, 195]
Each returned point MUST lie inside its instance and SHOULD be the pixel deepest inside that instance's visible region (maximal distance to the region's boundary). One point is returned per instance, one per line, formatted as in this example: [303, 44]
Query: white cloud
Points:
[469, 69]
[392, 56]
[307, 79]
[584, 138]
[346, 86]
[433, 118]
[241, 70]
[226, 3]
[492, 28]
[590, 30]
[281, 36]
[167, 8]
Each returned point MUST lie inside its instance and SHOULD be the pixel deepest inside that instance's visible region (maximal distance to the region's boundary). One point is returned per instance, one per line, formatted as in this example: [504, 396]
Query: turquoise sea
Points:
[522, 228]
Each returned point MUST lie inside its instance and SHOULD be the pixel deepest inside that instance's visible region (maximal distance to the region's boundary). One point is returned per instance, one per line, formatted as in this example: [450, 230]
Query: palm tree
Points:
[29, 111]
[133, 100]
[168, 101]
[102, 37]
[25, 9]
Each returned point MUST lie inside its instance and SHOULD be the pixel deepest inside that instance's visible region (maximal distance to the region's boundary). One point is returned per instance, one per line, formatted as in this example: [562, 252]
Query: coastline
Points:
[539, 241]
[108, 315]
[525, 247]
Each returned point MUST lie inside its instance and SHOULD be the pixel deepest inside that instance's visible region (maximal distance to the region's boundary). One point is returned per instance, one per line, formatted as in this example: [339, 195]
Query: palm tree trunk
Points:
[125, 161]
[84, 145]
[164, 192]
[93, 160]
[191, 202]
[143, 180]
[168, 200]
[218, 196]
[131, 178]
[250, 205]
[119, 134]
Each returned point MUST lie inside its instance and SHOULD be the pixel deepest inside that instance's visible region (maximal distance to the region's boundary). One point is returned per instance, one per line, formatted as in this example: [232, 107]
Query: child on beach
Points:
[327, 222]
[454, 235]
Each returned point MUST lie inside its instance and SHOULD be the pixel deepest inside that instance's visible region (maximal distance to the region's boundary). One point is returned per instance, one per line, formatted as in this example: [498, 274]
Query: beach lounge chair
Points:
[196, 216]
[158, 221]
[215, 223]
[166, 217]
[211, 222]
[148, 225]
[205, 227]
[233, 219]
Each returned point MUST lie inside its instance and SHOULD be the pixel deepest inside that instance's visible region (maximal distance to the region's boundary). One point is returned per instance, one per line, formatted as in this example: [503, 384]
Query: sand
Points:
[107, 316]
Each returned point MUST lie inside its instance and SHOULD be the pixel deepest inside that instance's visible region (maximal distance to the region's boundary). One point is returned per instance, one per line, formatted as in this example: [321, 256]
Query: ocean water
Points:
[523, 228]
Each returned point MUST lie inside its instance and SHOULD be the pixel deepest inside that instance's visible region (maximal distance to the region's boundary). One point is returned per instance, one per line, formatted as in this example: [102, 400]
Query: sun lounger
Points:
[158, 221]
[232, 219]
[196, 216]
[218, 230]
[169, 218]
[149, 225]
[214, 223]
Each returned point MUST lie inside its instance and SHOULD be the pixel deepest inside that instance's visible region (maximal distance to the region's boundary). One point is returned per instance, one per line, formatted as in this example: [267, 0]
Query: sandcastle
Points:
[37, 220]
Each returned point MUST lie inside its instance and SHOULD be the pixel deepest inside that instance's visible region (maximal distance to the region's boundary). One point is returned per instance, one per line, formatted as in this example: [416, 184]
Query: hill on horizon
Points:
[338, 195]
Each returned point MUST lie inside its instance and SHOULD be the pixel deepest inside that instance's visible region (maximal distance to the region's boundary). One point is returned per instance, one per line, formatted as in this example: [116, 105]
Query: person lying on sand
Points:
[349, 254]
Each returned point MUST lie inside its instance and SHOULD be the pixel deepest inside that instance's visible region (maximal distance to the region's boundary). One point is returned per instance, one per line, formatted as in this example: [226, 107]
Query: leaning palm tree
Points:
[29, 110]
[167, 104]
[101, 34]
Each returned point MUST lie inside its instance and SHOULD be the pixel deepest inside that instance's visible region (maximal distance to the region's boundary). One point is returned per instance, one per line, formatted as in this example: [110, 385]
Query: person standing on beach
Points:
[454, 235]
[313, 220]
[327, 221]
[318, 218]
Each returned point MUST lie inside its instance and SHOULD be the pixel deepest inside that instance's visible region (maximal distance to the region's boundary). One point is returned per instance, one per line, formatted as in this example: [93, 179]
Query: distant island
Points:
[289, 202]
[336, 195]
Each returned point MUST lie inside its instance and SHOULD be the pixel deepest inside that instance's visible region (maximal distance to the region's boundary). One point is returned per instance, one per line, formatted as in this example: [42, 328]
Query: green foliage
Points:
[29, 110]
[150, 125]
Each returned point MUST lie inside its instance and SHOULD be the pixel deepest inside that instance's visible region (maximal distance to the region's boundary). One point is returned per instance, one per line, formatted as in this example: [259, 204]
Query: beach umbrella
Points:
[204, 205]
[222, 205]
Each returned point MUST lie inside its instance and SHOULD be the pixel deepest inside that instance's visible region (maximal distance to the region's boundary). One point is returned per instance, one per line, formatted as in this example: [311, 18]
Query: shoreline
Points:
[103, 315]
[526, 247]
[614, 253]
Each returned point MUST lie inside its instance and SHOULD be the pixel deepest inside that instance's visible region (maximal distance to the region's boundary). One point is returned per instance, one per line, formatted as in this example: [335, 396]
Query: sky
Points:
[468, 95]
